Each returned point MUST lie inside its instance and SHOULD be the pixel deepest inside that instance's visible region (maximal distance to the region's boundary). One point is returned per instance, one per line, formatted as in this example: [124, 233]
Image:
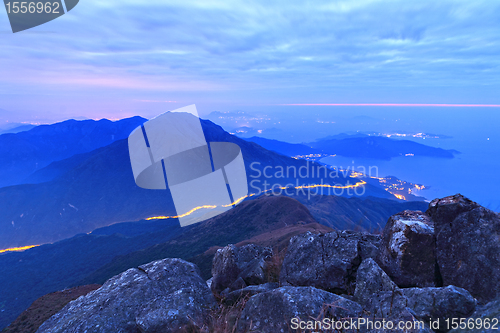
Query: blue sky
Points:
[120, 58]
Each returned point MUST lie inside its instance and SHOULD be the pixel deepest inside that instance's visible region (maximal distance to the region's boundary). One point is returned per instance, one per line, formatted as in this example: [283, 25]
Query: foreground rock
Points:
[371, 279]
[234, 296]
[235, 268]
[467, 245]
[407, 251]
[486, 318]
[381, 298]
[273, 311]
[162, 296]
[455, 241]
[45, 307]
[392, 306]
[440, 303]
[326, 261]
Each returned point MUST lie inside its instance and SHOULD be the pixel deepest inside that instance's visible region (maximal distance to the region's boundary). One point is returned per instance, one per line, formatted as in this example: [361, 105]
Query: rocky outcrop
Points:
[467, 245]
[235, 296]
[446, 209]
[45, 307]
[440, 303]
[486, 319]
[407, 251]
[420, 304]
[274, 311]
[371, 279]
[235, 268]
[381, 297]
[392, 306]
[326, 261]
[162, 296]
[392, 278]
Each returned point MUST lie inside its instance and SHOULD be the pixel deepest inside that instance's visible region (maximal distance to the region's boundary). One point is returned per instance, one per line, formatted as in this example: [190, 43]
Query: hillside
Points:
[249, 219]
[51, 267]
[318, 274]
[93, 257]
[97, 189]
[25, 152]
[28, 275]
[45, 307]
[356, 145]
[366, 214]
[378, 148]
[285, 148]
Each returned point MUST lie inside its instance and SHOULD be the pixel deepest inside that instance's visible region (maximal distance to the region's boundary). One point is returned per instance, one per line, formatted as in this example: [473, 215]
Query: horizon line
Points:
[396, 104]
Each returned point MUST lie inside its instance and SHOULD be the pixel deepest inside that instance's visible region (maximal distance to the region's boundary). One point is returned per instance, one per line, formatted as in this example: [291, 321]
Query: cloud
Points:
[243, 46]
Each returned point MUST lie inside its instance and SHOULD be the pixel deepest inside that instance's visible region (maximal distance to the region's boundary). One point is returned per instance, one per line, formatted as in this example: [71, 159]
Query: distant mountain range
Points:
[95, 189]
[358, 145]
[377, 147]
[85, 201]
[285, 148]
[25, 152]
[15, 128]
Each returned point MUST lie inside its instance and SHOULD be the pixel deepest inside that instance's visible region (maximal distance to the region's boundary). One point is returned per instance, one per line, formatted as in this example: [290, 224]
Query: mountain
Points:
[45, 307]
[378, 148]
[351, 134]
[15, 128]
[97, 192]
[97, 189]
[57, 168]
[355, 145]
[284, 148]
[269, 215]
[318, 278]
[87, 258]
[27, 275]
[366, 214]
[249, 219]
[23, 153]
[24, 276]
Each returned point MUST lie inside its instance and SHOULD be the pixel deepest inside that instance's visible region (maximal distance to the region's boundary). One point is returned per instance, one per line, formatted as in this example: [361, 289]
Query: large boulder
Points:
[391, 308]
[224, 268]
[326, 261]
[237, 295]
[371, 279]
[486, 319]
[235, 268]
[162, 296]
[467, 245]
[381, 298]
[387, 304]
[446, 209]
[432, 304]
[280, 309]
[407, 250]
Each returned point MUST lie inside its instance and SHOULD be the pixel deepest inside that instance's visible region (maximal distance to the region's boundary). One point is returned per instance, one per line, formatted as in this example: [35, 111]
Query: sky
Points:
[116, 59]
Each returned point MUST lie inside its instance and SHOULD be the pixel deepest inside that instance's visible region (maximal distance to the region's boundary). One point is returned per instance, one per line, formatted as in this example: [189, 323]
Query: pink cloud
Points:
[401, 104]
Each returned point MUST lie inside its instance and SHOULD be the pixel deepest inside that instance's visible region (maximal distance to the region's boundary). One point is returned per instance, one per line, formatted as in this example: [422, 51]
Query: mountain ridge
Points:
[23, 153]
[379, 148]
[100, 190]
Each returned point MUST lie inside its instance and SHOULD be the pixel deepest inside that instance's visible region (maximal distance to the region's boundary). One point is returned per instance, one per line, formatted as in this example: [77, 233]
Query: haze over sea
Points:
[473, 131]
